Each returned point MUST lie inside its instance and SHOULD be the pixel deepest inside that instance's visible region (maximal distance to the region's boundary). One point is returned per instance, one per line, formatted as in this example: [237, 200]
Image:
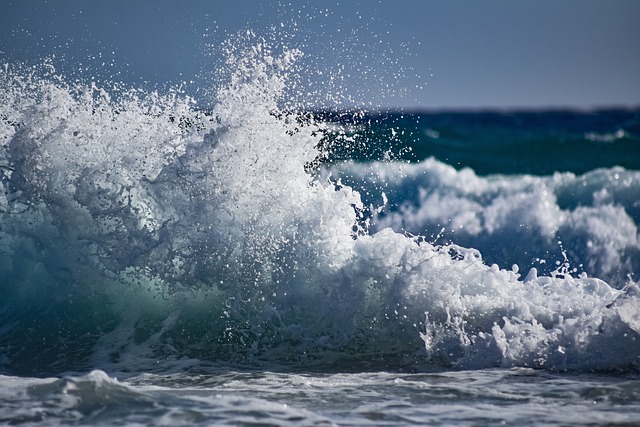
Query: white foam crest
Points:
[262, 143]
[474, 315]
[149, 162]
[93, 130]
[595, 215]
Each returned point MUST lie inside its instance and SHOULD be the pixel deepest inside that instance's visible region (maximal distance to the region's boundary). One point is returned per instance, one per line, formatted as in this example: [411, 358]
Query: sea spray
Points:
[145, 194]
[140, 232]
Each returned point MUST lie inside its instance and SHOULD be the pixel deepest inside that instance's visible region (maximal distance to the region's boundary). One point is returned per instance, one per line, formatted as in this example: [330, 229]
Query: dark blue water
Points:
[500, 142]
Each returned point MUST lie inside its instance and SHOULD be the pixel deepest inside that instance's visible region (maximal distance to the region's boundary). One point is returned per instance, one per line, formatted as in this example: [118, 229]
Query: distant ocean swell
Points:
[138, 233]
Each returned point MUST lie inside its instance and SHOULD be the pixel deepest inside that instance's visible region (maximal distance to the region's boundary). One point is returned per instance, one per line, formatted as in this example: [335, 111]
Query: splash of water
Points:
[140, 232]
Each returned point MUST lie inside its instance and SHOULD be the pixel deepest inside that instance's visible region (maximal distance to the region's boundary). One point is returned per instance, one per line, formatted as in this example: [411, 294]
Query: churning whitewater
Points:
[141, 232]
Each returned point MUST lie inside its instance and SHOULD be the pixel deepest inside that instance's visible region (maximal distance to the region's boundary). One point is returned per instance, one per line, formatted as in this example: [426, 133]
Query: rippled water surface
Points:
[484, 397]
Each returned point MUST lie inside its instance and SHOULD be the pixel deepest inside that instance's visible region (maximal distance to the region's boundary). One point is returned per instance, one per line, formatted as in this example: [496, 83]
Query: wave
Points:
[140, 233]
[588, 223]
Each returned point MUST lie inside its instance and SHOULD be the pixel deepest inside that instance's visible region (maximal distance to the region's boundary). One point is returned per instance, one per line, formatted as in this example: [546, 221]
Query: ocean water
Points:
[246, 262]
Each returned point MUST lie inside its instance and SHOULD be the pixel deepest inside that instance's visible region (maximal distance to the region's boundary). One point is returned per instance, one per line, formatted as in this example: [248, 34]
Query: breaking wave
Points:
[140, 231]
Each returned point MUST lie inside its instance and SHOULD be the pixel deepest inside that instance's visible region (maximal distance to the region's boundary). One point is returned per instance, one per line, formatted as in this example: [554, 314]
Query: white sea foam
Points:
[515, 219]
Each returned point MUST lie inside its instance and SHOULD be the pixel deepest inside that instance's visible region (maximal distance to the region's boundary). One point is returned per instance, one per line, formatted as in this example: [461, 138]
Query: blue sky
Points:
[425, 54]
